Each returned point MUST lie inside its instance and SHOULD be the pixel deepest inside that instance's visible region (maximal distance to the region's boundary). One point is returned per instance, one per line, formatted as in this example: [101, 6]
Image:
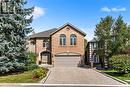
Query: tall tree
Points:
[120, 35]
[14, 27]
[113, 35]
[103, 37]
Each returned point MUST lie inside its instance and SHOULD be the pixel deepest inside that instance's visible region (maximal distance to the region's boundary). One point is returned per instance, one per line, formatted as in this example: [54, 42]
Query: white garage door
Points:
[66, 61]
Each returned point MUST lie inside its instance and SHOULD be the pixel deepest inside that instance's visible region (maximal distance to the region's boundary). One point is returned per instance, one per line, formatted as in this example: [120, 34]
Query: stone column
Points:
[90, 55]
[39, 58]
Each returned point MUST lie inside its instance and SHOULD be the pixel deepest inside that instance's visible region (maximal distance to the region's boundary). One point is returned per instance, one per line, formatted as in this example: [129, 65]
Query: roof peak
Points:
[70, 24]
[48, 33]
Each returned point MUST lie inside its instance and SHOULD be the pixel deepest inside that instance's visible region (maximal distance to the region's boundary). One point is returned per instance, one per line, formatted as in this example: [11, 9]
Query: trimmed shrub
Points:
[31, 61]
[31, 57]
[32, 66]
[39, 73]
[121, 63]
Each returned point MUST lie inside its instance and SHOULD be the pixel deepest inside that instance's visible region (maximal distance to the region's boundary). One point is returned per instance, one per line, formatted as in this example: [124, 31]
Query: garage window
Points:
[62, 39]
[73, 39]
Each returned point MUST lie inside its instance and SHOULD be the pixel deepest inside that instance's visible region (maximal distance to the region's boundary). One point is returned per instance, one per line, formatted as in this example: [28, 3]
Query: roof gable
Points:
[50, 32]
[72, 26]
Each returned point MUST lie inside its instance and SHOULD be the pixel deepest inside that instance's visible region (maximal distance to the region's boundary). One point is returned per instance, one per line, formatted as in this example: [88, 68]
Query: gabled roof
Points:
[46, 33]
[69, 24]
[93, 40]
[50, 32]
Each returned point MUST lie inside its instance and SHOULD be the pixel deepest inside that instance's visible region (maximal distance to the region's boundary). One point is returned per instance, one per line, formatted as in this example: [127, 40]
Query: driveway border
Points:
[57, 85]
[111, 77]
[44, 79]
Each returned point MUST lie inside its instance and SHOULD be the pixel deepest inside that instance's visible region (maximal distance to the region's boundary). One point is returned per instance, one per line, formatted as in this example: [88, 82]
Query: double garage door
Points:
[66, 61]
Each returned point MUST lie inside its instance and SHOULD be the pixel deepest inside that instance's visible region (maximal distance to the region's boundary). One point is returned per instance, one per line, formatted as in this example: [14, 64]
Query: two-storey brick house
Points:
[63, 46]
[91, 57]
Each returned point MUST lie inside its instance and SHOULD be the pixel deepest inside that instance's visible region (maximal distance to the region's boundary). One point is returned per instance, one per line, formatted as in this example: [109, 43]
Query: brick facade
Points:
[54, 43]
[57, 48]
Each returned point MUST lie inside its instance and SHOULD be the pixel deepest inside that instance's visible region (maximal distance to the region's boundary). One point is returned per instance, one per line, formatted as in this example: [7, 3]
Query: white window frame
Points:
[45, 44]
[73, 39]
[62, 39]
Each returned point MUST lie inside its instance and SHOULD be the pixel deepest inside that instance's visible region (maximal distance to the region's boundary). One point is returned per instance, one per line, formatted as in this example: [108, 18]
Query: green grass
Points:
[115, 74]
[25, 77]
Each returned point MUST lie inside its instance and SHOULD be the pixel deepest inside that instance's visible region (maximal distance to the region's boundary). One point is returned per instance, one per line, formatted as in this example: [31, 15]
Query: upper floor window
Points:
[93, 46]
[73, 39]
[45, 44]
[62, 39]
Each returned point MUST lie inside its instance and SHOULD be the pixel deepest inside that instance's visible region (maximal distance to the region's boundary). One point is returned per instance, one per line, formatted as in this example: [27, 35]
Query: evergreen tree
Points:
[121, 36]
[14, 27]
[103, 38]
[112, 37]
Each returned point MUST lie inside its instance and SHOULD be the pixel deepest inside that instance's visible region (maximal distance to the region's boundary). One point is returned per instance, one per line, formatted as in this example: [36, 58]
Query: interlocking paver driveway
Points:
[75, 75]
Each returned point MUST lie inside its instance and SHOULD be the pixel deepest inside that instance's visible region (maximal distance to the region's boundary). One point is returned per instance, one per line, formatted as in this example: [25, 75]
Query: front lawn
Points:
[116, 75]
[25, 77]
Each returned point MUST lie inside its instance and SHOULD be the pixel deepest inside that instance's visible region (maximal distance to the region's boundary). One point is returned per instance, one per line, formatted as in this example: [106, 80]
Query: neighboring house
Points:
[62, 46]
[91, 58]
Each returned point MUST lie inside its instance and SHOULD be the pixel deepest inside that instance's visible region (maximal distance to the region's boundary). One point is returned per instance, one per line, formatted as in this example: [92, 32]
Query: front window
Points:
[93, 46]
[73, 39]
[96, 59]
[45, 44]
[62, 39]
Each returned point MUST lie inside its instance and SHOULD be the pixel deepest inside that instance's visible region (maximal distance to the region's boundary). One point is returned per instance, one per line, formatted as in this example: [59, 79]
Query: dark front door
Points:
[45, 57]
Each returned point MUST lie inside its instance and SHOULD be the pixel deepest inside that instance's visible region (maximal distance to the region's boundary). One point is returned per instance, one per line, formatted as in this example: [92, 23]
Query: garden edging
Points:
[44, 79]
[111, 77]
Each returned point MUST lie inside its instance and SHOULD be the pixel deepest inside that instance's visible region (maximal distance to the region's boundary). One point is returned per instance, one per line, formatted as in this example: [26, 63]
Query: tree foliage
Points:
[85, 43]
[14, 26]
[121, 34]
[112, 36]
[103, 37]
[121, 63]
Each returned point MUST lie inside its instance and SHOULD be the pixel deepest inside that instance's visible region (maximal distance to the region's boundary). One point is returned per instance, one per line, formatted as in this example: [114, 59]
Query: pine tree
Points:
[14, 27]
[112, 36]
[103, 37]
[121, 35]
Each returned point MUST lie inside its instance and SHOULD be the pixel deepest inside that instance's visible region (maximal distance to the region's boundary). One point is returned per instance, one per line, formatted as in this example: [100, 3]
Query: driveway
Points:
[75, 75]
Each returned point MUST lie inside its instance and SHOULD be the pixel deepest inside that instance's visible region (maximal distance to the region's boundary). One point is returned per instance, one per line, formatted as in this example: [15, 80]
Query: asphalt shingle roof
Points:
[93, 40]
[46, 33]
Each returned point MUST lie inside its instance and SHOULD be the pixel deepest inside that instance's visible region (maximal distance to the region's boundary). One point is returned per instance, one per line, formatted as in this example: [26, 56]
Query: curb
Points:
[44, 79]
[59, 85]
[112, 77]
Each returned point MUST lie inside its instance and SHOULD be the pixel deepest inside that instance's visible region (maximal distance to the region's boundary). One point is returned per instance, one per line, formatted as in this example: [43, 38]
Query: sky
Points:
[83, 14]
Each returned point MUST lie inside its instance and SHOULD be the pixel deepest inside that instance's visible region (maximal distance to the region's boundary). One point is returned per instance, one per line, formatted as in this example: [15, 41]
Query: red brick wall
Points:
[78, 48]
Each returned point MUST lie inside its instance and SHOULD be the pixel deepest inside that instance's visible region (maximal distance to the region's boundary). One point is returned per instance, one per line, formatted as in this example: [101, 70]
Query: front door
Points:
[45, 57]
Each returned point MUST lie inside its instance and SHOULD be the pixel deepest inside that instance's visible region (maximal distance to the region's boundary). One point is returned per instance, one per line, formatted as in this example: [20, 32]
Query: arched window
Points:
[62, 39]
[73, 39]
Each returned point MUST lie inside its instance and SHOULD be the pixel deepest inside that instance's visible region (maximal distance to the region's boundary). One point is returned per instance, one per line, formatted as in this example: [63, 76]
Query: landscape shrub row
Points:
[121, 63]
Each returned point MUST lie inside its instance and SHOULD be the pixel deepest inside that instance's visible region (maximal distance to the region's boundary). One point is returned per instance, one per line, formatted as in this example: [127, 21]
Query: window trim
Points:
[73, 40]
[62, 40]
[45, 44]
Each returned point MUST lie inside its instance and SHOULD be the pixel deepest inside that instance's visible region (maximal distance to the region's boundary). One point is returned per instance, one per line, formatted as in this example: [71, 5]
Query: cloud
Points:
[114, 9]
[105, 9]
[38, 12]
[118, 9]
